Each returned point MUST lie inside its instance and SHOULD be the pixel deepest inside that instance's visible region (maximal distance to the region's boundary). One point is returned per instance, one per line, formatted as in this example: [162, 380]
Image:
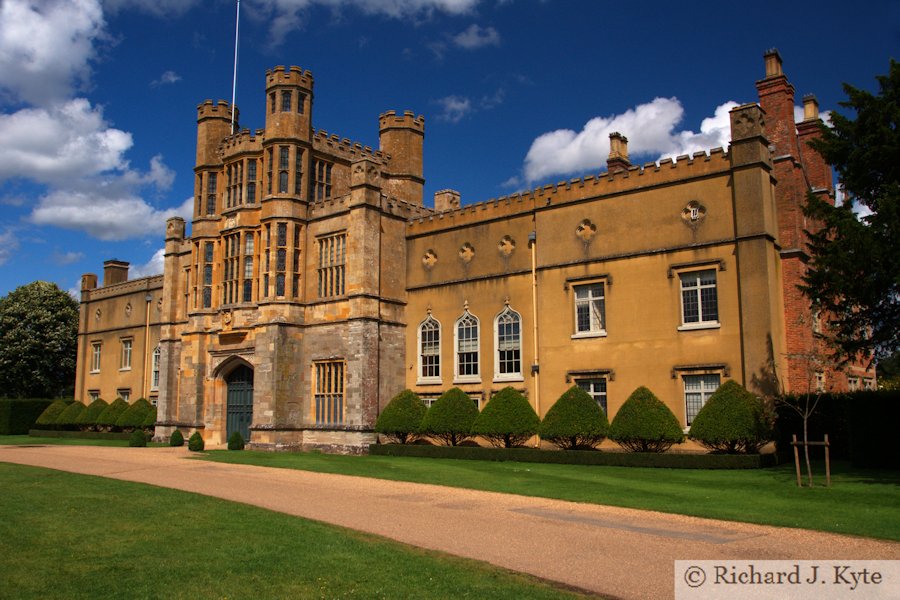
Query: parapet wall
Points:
[293, 76]
[335, 144]
[408, 120]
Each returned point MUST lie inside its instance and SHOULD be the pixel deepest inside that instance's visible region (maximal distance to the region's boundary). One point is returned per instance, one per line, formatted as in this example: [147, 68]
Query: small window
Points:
[596, 389]
[286, 101]
[868, 384]
[590, 310]
[211, 194]
[154, 372]
[820, 381]
[697, 390]
[329, 392]
[124, 394]
[251, 181]
[301, 100]
[94, 395]
[467, 354]
[508, 344]
[323, 180]
[699, 300]
[96, 348]
[430, 351]
[332, 255]
[272, 102]
[126, 354]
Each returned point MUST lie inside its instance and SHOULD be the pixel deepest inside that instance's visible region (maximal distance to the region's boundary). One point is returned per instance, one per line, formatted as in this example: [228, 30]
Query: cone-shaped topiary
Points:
[138, 439]
[507, 420]
[195, 443]
[645, 424]
[150, 420]
[67, 418]
[731, 421]
[401, 419]
[236, 441]
[450, 418]
[87, 420]
[107, 419]
[134, 415]
[48, 418]
[177, 439]
[575, 420]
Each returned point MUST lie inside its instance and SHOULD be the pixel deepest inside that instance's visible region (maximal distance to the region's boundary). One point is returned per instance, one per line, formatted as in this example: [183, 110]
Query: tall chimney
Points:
[114, 271]
[618, 153]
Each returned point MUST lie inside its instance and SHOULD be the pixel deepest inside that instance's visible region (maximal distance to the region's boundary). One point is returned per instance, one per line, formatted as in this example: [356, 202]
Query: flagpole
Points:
[237, 27]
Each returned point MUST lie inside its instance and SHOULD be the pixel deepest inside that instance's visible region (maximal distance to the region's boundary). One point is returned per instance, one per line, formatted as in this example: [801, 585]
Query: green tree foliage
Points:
[401, 419]
[48, 418]
[854, 274]
[574, 421]
[134, 415]
[150, 420]
[107, 419]
[196, 443]
[176, 439]
[450, 418]
[138, 439]
[38, 334]
[87, 420]
[507, 420]
[645, 424]
[732, 421]
[68, 419]
[236, 441]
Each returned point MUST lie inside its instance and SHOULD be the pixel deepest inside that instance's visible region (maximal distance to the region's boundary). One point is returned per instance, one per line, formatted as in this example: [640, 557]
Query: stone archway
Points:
[239, 403]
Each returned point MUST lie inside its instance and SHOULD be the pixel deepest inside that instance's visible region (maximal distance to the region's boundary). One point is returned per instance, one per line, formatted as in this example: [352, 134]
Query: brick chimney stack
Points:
[618, 153]
[114, 271]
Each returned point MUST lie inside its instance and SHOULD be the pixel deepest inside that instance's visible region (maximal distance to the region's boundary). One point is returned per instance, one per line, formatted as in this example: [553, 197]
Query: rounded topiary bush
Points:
[87, 420]
[106, 421]
[133, 416]
[195, 443]
[48, 418]
[645, 424]
[574, 421]
[138, 439]
[235, 441]
[507, 420]
[176, 439]
[731, 421]
[401, 419]
[67, 419]
[150, 420]
[450, 418]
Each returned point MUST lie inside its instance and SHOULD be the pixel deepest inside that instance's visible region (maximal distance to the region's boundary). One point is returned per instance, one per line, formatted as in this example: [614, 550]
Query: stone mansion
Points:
[315, 284]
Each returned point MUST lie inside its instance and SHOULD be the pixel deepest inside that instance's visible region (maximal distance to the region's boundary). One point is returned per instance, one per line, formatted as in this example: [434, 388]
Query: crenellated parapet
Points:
[293, 76]
[216, 110]
[652, 174]
[351, 150]
[408, 120]
[241, 142]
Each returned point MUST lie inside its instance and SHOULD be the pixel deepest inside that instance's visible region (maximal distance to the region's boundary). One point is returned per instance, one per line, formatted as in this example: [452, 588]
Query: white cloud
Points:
[152, 267]
[825, 115]
[46, 47]
[650, 129]
[477, 37]
[156, 8]
[54, 144]
[104, 214]
[167, 78]
[454, 108]
[9, 243]
[66, 258]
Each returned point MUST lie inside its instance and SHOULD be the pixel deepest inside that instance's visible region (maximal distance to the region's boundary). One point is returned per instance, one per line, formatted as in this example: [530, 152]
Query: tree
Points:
[574, 421]
[38, 337]
[854, 274]
[508, 420]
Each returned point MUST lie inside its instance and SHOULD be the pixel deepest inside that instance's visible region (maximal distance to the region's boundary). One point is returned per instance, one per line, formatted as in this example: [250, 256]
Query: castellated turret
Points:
[401, 137]
[213, 125]
[289, 98]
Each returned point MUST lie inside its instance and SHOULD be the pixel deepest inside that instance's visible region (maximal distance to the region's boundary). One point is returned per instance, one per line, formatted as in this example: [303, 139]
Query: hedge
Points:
[645, 424]
[134, 415]
[17, 415]
[137, 439]
[79, 435]
[575, 420]
[507, 420]
[670, 460]
[68, 419]
[401, 419]
[109, 416]
[47, 419]
[732, 421]
[450, 418]
[87, 420]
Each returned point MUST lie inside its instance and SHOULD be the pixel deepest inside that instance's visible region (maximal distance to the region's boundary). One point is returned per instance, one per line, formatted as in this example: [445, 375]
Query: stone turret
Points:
[401, 137]
[289, 100]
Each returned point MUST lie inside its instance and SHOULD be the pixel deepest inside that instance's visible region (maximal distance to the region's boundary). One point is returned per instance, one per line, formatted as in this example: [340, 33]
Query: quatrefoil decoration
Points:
[693, 214]
[586, 231]
[429, 259]
[506, 246]
[467, 253]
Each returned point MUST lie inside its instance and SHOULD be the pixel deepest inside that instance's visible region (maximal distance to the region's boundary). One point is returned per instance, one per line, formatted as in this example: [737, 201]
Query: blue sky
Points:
[98, 99]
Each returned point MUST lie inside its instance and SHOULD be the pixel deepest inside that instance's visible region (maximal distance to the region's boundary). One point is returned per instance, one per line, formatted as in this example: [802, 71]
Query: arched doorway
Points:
[240, 401]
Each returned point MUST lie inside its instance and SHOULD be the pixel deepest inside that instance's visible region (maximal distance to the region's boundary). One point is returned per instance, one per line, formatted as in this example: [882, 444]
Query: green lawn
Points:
[27, 440]
[73, 536]
[860, 502]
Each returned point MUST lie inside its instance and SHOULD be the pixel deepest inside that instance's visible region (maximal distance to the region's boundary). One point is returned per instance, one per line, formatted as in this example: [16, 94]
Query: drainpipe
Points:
[535, 366]
[148, 298]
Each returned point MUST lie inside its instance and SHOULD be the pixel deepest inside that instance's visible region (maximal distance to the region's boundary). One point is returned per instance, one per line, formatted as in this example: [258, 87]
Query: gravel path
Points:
[615, 552]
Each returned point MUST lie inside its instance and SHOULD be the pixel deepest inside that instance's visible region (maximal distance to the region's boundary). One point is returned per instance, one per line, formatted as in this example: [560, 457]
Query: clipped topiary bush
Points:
[574, 421]
[48, 418]
[401, 419]
[195, 443]
[507, 420]
[138, 439]
[150, 420]
[236, 441]
[177, 439]
[133, 416]
[645, 424]
[106, 421]
[87, 420]
[450, 418]
[732, 421]
[67, 419]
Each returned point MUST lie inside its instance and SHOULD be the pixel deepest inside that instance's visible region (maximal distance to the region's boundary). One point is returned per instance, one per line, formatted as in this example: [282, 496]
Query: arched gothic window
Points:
[467, 355]
[508, 345]
[430, 351]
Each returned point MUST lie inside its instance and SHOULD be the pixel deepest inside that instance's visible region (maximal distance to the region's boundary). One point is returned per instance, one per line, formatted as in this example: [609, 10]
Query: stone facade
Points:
[315, 285]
